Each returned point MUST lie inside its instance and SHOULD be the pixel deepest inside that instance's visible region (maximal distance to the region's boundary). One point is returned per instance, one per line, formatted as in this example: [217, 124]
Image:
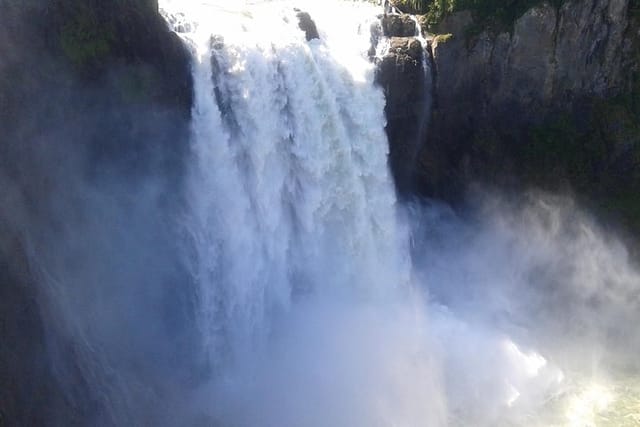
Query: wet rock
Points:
[398, 25]
[308, 26]
[401, 74]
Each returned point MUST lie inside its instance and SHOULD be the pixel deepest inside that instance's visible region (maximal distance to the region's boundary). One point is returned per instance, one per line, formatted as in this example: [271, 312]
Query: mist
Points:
[537, 302]
[521, 312]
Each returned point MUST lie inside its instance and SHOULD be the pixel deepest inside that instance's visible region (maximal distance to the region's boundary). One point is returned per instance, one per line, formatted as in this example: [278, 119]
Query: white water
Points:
[310, 312]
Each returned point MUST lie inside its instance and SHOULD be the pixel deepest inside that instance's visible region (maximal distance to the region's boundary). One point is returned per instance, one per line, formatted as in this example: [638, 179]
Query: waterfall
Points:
[290, 192]
[293, 222]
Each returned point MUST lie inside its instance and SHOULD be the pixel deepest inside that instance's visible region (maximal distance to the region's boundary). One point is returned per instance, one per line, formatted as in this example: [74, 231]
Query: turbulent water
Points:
[302, 266]
[315, 298]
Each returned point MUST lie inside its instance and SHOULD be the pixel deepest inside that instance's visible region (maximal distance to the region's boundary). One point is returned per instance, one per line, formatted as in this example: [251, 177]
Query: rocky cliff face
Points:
[406, 85]
[524, 106]
[94, 96]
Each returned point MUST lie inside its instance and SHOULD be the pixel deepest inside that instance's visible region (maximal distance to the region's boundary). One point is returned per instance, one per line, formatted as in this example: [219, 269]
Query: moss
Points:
[494, 15]
[85, 39]
[442, 38]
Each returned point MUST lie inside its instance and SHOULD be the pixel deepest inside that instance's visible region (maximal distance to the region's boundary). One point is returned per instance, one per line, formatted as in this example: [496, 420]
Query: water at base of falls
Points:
[311, 308]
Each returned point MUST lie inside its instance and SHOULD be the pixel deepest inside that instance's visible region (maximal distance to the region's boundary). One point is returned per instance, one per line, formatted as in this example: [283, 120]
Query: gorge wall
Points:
[95, 96]
[551, 102]
[407, 88]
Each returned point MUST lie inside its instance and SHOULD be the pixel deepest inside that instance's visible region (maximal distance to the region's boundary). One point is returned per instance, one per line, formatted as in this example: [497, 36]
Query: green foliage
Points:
[414, 6]
[442, 38]
[85, 39]
[498, 15]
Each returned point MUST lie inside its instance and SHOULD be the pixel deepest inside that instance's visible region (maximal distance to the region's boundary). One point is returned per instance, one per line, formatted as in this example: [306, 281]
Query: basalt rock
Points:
[502, 99]
[308, 26]
[93, 94]
[398, 25]
[401, 74]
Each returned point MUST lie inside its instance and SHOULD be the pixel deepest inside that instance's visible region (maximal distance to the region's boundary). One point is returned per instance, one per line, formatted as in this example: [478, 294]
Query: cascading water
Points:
[298, 197]
[310, 313]
[293, 221]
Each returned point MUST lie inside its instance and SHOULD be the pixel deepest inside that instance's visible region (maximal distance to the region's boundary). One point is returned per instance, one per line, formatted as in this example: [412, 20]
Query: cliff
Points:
[550, 102]
[407, 87]
[94, 96]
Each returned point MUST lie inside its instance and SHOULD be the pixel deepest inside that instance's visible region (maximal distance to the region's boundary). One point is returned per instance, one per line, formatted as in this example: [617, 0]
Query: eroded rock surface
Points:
[493, 89]
[402, 75]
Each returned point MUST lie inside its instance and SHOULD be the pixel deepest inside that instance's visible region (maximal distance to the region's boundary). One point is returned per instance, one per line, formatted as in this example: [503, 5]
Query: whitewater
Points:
[323, 301]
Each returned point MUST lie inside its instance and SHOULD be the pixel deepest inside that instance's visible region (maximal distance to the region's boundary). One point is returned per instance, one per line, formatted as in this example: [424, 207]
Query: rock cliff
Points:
[94, 96]
[406, 83]
[552, 102]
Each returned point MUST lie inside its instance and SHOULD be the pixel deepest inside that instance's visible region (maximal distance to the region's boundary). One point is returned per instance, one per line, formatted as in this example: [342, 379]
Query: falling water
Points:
[302, 266]
[291, 195]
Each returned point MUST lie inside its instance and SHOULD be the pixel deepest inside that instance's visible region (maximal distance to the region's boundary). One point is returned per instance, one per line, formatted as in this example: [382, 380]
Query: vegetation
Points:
[89, 32]
[493, 14]
[85, 39]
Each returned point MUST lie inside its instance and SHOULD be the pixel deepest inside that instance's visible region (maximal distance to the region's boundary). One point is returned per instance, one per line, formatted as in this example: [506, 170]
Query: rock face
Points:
[308, 26]
[493, 89]
[94, 96]
[399, 25]
[401, 74]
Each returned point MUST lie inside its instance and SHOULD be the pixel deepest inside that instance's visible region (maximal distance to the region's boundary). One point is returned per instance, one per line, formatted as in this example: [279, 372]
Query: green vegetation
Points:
[85, 39]
[497, 15]
[88, 32]
[442, 38]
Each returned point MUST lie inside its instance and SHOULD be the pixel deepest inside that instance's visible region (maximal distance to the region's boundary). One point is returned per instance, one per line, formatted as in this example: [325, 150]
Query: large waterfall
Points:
[302, 268]
[290, 192]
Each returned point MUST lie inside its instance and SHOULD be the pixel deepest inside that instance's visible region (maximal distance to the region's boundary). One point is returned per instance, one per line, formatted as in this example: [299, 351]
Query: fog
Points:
[522, 313]
[538, 302]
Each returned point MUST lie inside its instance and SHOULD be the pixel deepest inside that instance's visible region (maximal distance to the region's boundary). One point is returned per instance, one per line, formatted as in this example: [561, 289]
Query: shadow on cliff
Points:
[95, 102]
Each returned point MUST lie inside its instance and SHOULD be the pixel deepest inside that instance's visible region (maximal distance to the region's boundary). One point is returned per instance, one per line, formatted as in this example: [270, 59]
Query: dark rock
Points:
[493, 89]
[398, 26]
[93, 94]
[402, 77]
[308, 26]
